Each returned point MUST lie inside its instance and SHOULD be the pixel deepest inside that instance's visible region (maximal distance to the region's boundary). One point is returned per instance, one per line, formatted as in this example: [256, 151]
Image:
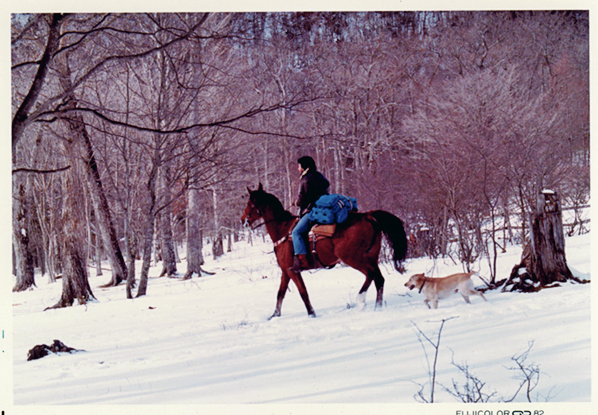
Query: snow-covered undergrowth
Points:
[208, 340]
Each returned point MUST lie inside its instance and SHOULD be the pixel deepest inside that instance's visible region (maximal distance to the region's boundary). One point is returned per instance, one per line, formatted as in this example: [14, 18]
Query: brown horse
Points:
[356, 242]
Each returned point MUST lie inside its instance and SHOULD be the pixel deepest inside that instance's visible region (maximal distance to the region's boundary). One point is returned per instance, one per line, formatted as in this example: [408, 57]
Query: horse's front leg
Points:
[282, 290]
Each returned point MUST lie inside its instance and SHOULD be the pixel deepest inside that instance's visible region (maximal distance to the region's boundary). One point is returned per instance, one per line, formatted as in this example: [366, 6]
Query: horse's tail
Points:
[393, 228]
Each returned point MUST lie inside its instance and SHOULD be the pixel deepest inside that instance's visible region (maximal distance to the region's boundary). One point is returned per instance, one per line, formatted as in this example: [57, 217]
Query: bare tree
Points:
[99, 201]
[21, 241]
[453, 119]
[194, 234]
[75, 278]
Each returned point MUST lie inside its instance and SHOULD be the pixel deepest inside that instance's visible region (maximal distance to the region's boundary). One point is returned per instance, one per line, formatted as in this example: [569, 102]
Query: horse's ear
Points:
[249, 190]
[260, 188]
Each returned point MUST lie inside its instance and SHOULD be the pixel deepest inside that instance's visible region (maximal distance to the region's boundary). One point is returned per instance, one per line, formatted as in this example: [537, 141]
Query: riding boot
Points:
[299, 263]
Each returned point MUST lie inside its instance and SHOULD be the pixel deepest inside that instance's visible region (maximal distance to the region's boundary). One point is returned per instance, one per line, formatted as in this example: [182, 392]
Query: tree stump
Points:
[42, 350]
[543, 262]
[218, 246]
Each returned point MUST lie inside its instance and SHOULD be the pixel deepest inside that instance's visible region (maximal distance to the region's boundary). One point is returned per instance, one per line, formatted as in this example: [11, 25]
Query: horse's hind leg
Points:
[363, 292]
[376, 276]
[379, 282]
[298, 280]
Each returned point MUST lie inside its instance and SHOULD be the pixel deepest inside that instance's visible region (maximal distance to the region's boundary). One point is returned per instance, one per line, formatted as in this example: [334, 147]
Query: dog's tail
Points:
[484, 280]
[472, 273]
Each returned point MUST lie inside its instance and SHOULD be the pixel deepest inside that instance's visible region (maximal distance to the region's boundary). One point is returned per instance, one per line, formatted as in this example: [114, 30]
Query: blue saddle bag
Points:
[332, 208]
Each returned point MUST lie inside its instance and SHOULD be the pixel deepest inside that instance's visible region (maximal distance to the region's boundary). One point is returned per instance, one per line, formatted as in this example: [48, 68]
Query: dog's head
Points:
[415, 281]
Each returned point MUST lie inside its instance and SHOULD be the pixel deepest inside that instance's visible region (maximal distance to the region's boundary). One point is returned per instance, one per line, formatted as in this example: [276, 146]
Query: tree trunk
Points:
[54, 203]
[289, 172]
[508, 229]
[98, 255]
[548, 262]
[22, 250]
[98, 198]
[494, 260]
[99, 203]
[131, 276]
[148, 232]
[75, 280]
[165, 224]
[217, 245]
[52, 258]
[543, 261]
[194, 238]
[131, 251]
[167, 245]
[103, 216]
[148, 238]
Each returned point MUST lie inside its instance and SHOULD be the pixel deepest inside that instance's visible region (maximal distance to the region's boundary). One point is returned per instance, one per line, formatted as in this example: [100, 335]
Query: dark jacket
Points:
[313, 185]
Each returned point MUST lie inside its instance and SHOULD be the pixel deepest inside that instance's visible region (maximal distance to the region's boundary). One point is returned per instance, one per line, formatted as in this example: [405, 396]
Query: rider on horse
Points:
[313, 185]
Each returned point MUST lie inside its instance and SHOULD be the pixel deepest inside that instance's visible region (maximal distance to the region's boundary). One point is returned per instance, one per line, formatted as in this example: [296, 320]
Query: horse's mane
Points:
[279, 212]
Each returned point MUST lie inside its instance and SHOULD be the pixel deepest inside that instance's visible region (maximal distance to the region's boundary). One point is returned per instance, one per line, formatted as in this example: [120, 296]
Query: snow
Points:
[208, 340]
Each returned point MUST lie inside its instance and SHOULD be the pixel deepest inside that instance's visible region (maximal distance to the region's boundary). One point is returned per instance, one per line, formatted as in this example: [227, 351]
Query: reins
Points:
[274, 219]
[265, 222]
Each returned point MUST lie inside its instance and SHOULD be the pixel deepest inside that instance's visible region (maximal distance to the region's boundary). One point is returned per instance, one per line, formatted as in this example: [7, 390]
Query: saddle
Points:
[317, 232]
[325, 231]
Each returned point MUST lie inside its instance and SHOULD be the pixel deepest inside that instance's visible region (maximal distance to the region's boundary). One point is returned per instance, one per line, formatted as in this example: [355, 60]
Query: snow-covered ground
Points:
[208, 340]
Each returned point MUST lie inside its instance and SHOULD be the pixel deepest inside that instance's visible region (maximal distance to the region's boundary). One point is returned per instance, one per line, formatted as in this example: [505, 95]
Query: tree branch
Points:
[22, 115]
[37, 171]
[63, 113]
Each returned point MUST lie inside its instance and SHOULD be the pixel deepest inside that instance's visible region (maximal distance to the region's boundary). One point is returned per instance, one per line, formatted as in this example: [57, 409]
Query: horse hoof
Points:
[361, 302]
[273, 315]
[312, 314]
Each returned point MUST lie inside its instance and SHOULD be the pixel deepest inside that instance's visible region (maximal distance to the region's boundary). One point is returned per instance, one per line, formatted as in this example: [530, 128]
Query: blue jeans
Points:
[301, 230]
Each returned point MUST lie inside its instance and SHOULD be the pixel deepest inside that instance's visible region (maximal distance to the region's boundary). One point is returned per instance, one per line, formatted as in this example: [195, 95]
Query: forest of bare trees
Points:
[134, 136]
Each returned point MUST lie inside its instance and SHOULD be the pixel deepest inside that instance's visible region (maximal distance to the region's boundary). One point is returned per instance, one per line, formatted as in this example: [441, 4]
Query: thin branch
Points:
[436, 349]
[64, 112]
[104, 62]
[529, 374]
[26, 63]
[37, 171]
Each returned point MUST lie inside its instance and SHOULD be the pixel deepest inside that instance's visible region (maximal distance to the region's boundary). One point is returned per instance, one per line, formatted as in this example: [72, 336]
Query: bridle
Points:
[259, 212]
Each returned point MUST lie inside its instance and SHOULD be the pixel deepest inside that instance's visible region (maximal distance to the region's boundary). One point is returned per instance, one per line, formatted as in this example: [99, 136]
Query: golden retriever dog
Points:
[438, 288]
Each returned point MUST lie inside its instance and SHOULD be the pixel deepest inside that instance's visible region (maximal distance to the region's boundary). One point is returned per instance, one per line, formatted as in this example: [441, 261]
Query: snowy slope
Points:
[208, 341]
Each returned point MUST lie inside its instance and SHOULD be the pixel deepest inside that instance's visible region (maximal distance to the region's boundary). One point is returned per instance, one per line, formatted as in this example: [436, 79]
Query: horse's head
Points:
[252, 211]
[265, 206]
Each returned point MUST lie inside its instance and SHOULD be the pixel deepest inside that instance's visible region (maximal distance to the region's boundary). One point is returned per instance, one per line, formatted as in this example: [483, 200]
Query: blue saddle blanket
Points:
[332, 208]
